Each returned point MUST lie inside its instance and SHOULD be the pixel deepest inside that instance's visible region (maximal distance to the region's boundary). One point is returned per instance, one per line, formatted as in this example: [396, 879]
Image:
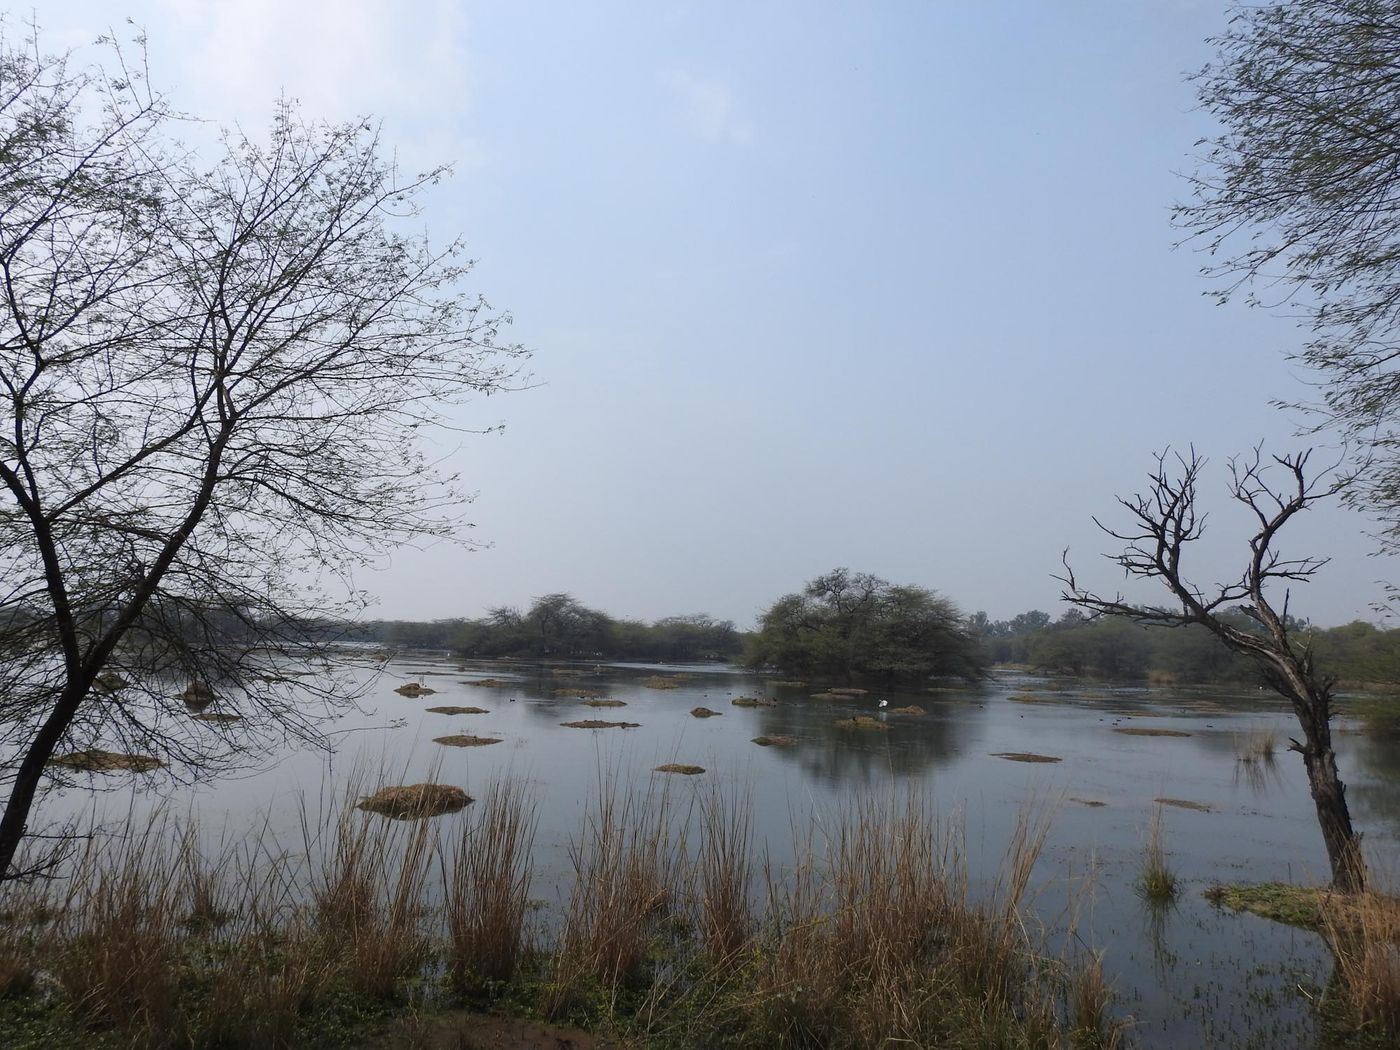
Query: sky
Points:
[892, 286]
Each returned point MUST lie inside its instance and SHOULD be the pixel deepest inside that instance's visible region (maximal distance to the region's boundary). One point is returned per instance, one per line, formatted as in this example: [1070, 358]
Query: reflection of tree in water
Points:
[1374, 787]
[912, 746]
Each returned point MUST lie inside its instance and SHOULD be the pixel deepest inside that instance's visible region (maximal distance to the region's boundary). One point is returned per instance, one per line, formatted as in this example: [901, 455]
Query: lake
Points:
[1189, 975]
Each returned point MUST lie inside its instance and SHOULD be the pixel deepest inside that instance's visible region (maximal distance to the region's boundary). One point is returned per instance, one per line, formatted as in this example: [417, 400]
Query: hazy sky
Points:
[882, 285]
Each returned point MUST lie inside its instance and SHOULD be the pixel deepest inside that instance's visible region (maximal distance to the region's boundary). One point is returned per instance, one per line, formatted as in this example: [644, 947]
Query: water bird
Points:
[884, 703]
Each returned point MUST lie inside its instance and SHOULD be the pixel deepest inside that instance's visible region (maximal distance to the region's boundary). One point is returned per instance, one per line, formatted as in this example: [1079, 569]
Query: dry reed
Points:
[488, 886]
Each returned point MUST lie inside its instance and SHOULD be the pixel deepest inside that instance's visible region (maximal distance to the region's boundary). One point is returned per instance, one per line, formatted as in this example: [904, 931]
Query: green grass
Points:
[1280, 902]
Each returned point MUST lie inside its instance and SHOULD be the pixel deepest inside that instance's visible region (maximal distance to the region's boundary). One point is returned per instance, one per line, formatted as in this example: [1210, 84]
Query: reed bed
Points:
[1364, 934]
[676, 932]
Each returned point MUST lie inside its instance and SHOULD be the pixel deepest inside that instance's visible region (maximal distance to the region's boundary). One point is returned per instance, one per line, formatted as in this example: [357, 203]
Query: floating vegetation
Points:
[466, 740]
[912, 709]
[216, 716]
[1182, 803]
[1031, 698]
[449, 709]
[860, 722]
[593, 723]
[676, 767]
[844, 691]
[1092, 803]
[753, 701]
[829, 695]
[1144, 731]
[96, 761]
[704, 712]
[789, 683]
[414, 689]
[415, 801]
[198, 693]
[775, 741]
[605, 703]
[1024, 756]
[658, 681]
[110, 682]
[578, 691]
[488, 683]
[1281, 902]
[569, 672]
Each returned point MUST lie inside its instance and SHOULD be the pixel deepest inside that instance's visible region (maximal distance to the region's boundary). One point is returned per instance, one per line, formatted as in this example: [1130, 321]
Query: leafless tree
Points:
[1164, 522]
[213, 378]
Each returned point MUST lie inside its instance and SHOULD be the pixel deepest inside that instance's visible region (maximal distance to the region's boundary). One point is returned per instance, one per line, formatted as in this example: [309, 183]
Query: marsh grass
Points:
[1157, 882]
[676, 931]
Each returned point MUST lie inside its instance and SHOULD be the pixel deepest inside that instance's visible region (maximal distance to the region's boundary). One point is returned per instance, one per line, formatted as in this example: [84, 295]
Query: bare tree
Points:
[213, 378]
[1164, 522]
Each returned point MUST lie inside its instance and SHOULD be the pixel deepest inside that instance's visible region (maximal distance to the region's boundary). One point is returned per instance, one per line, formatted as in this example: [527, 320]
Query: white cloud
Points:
[708, 106]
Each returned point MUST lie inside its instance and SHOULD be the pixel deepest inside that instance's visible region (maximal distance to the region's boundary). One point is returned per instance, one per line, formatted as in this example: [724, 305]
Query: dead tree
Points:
[1164, 522]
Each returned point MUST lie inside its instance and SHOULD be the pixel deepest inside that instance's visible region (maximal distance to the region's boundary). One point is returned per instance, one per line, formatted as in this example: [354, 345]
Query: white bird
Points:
[884, 703]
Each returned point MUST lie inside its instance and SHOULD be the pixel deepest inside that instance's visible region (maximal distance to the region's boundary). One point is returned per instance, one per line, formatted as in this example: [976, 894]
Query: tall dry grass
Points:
[725, 874]
[1364, 933]
[627, 867]
[870, 938]
[488, 886]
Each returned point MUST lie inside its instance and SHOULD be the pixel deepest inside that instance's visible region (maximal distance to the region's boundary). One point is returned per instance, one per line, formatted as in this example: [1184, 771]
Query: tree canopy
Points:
[213, 377]
[1297, 200]
[850, 625]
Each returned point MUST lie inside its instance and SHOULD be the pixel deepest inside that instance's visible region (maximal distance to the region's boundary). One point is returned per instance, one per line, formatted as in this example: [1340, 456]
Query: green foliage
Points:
[853, 625]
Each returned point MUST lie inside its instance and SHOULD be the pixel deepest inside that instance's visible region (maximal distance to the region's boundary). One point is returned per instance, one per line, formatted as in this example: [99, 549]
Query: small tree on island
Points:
[1164, 522]
[846, 626]
[212, 382]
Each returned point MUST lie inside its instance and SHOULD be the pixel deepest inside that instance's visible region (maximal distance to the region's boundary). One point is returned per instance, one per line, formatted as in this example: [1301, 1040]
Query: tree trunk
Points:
[1330, 798]
[31, 771]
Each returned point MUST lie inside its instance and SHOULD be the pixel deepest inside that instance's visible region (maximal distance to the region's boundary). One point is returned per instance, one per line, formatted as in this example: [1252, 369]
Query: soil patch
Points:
[449, 709]
[1182, 803]
[414, 689]
[578, 691]
[593, 723]
[775, 741]
[753, 701]
[1091, 802]
[912, 709]
[466, 740]
[605, 703]
[704, 712]
[658, 681]
[415, 801]
[849, 692]
[676, 767]
[790, 683]
[460, 1030]
[1144, 731]
[488, 683]
[95, 761]
[1024, 756]
[1030, 698]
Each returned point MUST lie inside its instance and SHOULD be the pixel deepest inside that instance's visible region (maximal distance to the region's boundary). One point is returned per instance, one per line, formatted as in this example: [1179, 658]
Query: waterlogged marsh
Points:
[1187, 975]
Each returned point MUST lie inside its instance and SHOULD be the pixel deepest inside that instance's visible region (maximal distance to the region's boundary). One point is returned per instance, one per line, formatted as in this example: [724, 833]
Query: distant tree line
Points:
[849, 626]
[1112, 647]
[560, 627]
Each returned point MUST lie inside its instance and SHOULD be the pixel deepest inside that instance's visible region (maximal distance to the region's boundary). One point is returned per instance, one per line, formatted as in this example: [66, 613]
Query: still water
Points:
[1191, 976]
